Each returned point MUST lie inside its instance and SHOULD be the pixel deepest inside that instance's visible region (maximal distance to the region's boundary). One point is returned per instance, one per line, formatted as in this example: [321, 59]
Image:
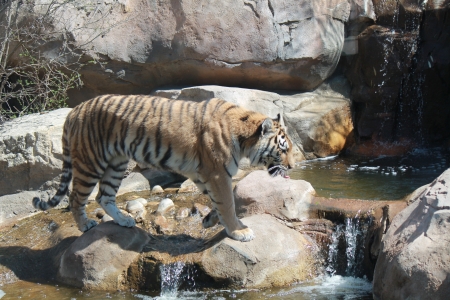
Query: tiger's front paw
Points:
[243, 235]
[87, 225]
[126, 221]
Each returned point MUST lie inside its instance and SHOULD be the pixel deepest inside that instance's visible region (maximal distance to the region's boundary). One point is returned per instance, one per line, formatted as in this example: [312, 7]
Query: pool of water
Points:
[382, 178]
[322, 288]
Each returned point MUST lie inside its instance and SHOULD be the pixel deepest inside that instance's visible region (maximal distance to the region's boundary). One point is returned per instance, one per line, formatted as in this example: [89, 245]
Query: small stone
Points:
[162, 226]
[134, 206]
[143, 201]
[164, 206]
[203, 210]
[183, 213]
[188, 187]
[157, 189]
[106, 218]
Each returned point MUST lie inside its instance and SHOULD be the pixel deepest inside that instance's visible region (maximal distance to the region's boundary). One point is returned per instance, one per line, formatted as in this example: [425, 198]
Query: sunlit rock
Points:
[277, 256]
[259, 193]
[99, 258]
[414, 260]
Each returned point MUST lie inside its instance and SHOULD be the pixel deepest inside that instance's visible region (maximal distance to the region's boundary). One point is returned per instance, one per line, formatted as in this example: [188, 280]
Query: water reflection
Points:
[382, 178]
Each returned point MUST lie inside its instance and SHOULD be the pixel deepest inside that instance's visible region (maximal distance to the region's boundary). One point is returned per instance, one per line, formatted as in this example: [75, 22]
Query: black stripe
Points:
[82, 195]
[226, 170]
[117, 168]
[166, 157]
[235, 160]
[86, 173]
[110, 184]
[170, 110]
[84, 183]
[113, 122]
[229, 108]
[158, 131]
[204, 108]
[104, 193]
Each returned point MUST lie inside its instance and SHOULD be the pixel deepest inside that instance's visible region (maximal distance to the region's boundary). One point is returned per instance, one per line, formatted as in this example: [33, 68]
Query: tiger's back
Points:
[203, 141]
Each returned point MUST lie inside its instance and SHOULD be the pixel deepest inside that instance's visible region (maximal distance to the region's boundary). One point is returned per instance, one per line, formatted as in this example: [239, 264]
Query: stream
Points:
[336, 177]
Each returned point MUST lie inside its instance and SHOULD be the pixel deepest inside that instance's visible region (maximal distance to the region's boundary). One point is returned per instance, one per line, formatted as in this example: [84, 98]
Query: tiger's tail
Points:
[66, 177]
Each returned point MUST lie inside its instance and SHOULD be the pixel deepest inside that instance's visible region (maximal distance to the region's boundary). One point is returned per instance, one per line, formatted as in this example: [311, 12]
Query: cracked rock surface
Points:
[414, 260]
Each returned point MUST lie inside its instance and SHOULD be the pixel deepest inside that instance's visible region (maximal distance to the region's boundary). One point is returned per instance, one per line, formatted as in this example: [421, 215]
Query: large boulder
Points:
[99, 258]
[31, 151]
[277, 256]
[319, 123]
[414, 260]
[259, 193]
[278, 44]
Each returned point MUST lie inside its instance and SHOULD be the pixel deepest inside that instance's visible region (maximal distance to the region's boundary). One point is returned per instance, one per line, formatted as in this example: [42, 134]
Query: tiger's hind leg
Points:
[83, 184]
[109, 185]
[212, 218]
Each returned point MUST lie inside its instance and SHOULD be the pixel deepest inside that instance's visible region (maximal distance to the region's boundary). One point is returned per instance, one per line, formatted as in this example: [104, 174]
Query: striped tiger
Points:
[203, 141]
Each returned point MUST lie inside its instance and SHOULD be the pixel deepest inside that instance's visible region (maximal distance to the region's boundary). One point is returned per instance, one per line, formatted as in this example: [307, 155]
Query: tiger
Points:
[203, 141]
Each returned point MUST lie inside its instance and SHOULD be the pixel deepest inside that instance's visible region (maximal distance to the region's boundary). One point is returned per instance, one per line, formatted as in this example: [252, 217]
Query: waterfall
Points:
[346, 250]
[171, 279]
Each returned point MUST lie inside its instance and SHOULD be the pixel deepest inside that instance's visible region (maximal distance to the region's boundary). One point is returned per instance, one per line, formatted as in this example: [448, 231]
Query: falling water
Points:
[346, 250]
[171, 279]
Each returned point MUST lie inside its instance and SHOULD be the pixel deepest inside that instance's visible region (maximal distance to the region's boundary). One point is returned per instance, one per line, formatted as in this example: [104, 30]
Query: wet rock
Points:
[201, 209]
[134, 206]
[99, 258]
[188, 187]
[162, 225]
[277, 256]
[164, 206]
[143, 201]
[182, 213]
[157, 189]
[259, 193]
[414, 261]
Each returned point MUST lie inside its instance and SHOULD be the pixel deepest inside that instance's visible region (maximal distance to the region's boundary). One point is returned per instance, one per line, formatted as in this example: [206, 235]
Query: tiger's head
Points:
[275, 147]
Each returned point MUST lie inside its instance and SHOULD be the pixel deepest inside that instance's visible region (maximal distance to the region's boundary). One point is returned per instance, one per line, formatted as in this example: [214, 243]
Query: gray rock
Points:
[82, 266]
[277, 256]
[164, 206]
[184, 212]
[188, 187]
[282, 44]
[157, 189]
[134, 206]
[414, 261]
[31, 151]
[259, 193]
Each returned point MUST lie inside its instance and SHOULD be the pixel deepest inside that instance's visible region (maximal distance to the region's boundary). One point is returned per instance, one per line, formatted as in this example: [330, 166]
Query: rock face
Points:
[400, 76]
[277, 256]
[99, 258]
[259, 193]
[31, 151]
[277, 44]
[414, 260]
[319, 122]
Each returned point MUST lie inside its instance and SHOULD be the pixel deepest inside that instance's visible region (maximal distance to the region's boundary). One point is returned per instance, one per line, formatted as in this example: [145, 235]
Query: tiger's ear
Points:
[266, 126]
